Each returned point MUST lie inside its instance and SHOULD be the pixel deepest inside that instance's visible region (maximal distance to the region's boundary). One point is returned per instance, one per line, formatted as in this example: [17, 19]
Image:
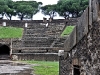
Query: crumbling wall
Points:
[86, 52]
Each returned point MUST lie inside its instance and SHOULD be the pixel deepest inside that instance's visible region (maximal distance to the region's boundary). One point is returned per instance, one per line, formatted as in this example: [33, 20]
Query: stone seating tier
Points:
[37, 38]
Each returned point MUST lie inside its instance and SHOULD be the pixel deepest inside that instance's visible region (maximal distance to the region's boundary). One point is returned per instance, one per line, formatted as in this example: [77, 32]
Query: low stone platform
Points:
[36, 56]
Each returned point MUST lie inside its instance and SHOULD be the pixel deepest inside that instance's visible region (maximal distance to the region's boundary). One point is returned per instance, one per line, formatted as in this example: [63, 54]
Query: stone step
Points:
[36, 45]
[4, 57]
[36, 26]
[35, 35]
[37, 48]
[38, 38]
[32, 32]
[39, 35]
[36, 29]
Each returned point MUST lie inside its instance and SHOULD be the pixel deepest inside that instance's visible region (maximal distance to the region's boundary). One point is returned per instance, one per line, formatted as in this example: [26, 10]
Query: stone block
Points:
[76, 61]
[61, 53]
[4, 24]
[14, 57]
[71, 40]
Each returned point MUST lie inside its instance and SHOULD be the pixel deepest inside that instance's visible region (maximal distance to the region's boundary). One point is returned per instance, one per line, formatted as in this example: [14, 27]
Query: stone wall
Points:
[35, 56]
[18, 23]
[83, 58]
[78, 32]
[87, 51]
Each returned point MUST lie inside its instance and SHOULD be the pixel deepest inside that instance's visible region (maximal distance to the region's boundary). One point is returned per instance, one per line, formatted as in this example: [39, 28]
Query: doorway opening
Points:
[76, 70]
[4, 52]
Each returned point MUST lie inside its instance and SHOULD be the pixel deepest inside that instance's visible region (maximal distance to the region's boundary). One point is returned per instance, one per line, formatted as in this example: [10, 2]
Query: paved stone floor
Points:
[8, 67]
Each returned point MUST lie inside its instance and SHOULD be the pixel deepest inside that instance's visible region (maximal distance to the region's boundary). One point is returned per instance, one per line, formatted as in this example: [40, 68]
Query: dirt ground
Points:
[8, 67]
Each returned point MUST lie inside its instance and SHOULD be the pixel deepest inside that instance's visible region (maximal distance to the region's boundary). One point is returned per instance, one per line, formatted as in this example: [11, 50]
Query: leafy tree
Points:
[26, 9]
[74, 7]
[49, 10]
[3, 7]
[10, 11]
[6, 7]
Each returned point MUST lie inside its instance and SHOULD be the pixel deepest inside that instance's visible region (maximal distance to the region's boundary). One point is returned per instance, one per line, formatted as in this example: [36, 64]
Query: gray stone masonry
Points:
[83, 58]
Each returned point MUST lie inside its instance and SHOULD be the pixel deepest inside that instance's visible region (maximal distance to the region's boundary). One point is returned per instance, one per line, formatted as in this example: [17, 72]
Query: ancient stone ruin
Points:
[81, 54]
[38, 40]
[41, 39]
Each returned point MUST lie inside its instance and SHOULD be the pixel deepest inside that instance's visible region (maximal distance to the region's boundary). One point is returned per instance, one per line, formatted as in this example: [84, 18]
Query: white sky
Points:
[39, 15]
[45, 2]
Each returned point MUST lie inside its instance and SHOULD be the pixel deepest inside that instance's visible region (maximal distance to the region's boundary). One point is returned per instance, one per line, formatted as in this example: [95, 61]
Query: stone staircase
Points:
[60, 42]
[35, 36]
[38, 37]
[38, 42]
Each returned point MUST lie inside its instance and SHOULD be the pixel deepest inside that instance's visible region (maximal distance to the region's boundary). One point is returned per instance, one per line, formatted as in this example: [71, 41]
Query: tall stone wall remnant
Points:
[82, 55]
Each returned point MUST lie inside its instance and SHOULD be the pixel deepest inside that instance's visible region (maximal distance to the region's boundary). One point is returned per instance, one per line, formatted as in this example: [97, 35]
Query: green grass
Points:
[45, 67]
[11, 32]
[67, 31]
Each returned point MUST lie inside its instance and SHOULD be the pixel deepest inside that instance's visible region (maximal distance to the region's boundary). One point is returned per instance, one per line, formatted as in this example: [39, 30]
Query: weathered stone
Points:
[87, 48]
[14, 57]
[71, 40]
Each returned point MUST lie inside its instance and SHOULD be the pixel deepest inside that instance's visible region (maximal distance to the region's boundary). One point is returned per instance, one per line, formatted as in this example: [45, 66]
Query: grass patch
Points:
[45, 67]
[11, 32]
[67, 31]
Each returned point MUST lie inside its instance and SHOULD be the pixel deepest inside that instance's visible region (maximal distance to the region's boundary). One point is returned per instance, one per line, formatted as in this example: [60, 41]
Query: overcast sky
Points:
[39, 15]
[45, 2]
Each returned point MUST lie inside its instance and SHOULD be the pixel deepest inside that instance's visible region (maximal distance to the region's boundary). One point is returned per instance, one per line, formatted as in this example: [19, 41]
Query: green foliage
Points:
[45, 67]
[67, 31]
[2, 7]
[10, 11]
[26, 9]
[6, 7]
[74, 7]
[49, 10]
[11, 32]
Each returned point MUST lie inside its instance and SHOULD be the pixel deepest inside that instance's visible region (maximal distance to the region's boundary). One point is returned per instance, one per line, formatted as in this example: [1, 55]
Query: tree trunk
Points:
[77, 14]
[22, 17]
[10, 17]
[31, 17]
[7, 16]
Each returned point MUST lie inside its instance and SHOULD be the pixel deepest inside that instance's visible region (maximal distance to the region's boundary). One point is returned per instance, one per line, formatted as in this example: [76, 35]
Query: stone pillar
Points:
[61, 57]
[4, 24]
[61, 53]
[93, 11]
[26, 25]
[90, 12]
